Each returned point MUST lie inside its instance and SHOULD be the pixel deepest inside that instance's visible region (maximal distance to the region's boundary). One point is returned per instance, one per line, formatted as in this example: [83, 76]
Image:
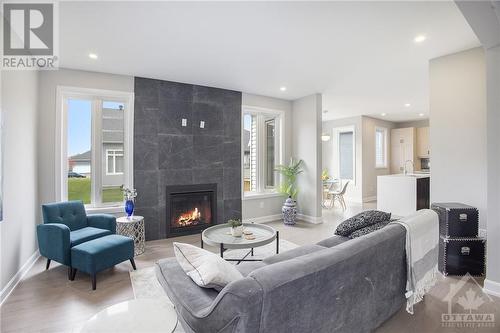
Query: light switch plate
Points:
[184, 122]
[202, 124]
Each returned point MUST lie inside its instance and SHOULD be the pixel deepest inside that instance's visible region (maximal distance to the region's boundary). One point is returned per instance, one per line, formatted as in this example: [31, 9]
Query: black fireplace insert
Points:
[190, 208]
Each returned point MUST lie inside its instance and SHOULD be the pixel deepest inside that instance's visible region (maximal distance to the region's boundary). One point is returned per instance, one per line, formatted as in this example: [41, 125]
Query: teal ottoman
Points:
[101, 253]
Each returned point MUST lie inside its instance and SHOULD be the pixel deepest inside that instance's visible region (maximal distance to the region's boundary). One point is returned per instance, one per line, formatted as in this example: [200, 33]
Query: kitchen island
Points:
[402, 194]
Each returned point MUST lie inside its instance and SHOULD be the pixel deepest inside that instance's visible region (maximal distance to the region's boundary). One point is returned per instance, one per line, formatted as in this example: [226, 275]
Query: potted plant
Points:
[236, 227]
[289, 188]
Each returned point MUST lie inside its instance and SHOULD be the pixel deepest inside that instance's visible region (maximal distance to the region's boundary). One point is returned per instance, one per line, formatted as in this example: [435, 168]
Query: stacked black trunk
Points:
[461, 251]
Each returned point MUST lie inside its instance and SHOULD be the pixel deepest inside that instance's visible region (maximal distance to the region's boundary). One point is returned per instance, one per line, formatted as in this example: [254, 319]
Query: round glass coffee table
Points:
[220, 236]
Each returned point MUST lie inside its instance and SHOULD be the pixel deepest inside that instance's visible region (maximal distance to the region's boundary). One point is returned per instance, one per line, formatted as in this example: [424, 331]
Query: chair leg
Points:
[133, 263]
[73, 274]
[70, 272]
[48, 264]
[94, 281]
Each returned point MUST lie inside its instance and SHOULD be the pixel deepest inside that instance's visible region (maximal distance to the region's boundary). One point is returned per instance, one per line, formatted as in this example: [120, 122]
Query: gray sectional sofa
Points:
[336, 285]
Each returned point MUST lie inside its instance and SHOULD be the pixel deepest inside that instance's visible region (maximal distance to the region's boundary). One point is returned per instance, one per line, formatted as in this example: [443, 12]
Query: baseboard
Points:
[370, 199]
[7, 290]
[264, 219]
[310, 219]
[491, 288]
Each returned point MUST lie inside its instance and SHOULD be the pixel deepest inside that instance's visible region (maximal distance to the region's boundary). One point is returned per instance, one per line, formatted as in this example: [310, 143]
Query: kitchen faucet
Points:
[412, 165]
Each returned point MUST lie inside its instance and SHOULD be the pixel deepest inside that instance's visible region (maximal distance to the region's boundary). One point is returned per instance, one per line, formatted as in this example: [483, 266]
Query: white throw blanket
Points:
[422, 237]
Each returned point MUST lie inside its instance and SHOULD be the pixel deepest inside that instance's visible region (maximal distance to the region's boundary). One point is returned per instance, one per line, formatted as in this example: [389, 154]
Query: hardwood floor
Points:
[46, 301]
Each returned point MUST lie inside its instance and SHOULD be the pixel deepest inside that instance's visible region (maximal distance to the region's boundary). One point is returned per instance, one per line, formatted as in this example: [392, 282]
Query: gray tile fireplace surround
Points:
[166, 153]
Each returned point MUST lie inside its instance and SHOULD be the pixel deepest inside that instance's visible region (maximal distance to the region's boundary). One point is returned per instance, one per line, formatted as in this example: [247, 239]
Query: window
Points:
[261, 149]
[381, 147]
[95, 141]
[346, 152]
[114, 159]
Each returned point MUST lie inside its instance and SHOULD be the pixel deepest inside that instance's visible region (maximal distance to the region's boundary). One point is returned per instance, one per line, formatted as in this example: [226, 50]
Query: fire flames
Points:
[189, 218]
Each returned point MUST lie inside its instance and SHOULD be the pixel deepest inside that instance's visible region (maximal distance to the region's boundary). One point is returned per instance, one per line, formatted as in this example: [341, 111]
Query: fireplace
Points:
[190, 208]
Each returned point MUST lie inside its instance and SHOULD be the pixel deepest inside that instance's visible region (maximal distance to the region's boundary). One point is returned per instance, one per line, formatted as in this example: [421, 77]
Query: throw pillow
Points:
[361, 220]
[368, 229]
[205, 268]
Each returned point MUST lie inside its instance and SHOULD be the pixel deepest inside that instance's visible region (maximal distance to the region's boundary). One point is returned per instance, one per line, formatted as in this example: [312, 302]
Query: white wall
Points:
[370, 172]
[330, 154]
[20, 204]
[306, 145]
[415, 123]
[265, 208]
[458, 123]
[492, 282]
[49, 80]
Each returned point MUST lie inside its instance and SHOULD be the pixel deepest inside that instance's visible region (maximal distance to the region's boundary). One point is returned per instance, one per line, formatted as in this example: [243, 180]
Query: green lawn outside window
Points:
[79, 189]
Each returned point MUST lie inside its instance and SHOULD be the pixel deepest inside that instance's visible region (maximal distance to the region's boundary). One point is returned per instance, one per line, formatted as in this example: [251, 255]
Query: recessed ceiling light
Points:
[383, 114]
[419, 38]
[407, 105]
[283, 88]
[93, 56]
[421, 114]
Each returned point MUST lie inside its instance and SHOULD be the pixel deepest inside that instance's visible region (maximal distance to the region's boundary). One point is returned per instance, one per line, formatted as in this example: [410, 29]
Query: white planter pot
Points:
[237, 231]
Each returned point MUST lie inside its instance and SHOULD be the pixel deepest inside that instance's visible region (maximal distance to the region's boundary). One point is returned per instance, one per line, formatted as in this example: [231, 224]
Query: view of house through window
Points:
[79, 115]
[95, 129]
[270, 152]
[261, 150]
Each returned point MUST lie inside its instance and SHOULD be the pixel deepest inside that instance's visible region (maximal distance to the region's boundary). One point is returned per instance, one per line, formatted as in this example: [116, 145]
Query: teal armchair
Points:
[66, 224]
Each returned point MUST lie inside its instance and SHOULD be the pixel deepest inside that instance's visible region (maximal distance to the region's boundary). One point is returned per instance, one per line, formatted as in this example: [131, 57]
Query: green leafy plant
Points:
[233, 223]
[290, 172]
[325, 175]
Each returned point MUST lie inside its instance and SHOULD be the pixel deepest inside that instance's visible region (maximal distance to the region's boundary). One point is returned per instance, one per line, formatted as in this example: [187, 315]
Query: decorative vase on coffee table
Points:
[237, 231]
[289, 211]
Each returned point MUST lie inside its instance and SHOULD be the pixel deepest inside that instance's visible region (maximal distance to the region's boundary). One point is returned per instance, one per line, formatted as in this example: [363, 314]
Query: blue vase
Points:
[129, 207]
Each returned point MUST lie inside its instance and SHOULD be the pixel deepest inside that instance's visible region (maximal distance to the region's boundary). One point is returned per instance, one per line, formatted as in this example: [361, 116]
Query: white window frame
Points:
[386, 135]
[263, 191]
[337, 132]
[97, 96]
[115, 152]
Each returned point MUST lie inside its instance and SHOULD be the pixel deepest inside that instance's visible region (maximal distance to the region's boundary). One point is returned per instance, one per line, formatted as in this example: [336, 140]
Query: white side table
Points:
[138, 315]
[132, 227]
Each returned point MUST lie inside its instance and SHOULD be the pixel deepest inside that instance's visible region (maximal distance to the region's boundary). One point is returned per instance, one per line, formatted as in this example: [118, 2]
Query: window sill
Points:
[105, 210]
[264, 195]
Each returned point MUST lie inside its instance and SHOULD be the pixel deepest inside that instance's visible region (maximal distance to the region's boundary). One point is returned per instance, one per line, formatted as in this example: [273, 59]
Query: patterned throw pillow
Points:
[361, 220]
[367, 230]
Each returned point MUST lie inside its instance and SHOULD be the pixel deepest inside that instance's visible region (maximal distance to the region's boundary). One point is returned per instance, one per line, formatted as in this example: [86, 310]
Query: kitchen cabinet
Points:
[403, 148]
[403, 195]
[423, 148]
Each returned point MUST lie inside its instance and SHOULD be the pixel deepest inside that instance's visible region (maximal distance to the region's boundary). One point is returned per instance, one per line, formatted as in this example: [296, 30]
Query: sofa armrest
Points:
[54, 242]
[236, 308]
[102, 221]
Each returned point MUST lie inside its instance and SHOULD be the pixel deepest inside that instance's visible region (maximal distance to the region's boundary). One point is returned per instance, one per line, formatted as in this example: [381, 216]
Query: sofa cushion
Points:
[246, 268]
[361, 220]
[205, 268]
[294, 253]
[333, 241]
[368, 229]
[86, 234]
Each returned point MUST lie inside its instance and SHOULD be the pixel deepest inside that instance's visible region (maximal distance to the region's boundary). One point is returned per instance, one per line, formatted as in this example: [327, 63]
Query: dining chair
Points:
[339, 196]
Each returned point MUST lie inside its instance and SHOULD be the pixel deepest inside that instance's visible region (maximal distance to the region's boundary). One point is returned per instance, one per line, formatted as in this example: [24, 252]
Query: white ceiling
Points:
[360, 55]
